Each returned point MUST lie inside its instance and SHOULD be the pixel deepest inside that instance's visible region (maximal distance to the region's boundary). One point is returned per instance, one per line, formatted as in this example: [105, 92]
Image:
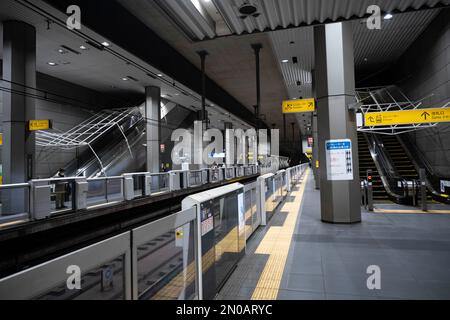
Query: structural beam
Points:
[153, 127]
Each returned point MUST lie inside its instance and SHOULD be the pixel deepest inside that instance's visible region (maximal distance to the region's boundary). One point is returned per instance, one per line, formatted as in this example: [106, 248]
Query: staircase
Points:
[400, 160]
[366, 163]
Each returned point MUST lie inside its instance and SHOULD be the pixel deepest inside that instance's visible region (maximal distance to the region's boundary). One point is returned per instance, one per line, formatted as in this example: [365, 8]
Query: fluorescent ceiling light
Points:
[105, 44]
[285, 61]
[388, 16]
[159, 75]
[83, 47]
[52, 63]
[125, 79]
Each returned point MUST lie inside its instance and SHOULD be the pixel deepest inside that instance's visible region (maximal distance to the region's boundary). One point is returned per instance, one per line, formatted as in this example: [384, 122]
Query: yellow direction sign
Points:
[34, 125]
[297, 106]
[387, 118]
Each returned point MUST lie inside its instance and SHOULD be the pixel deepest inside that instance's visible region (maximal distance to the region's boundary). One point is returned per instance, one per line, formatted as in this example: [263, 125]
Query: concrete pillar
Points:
[153, 127]
[315, 154]
[19, 73]
[335, 86]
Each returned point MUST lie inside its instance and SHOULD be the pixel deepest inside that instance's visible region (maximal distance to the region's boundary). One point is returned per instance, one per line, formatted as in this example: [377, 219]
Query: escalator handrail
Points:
[420, 162]
[388, 177]
[129, 124]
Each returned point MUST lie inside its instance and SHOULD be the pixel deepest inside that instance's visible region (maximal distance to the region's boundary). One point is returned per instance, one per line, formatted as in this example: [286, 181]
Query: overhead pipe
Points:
[204, 118]
[257, 49]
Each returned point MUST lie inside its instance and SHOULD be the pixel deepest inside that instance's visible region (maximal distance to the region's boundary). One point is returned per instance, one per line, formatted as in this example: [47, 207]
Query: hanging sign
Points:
[298, 106]
[430, 115]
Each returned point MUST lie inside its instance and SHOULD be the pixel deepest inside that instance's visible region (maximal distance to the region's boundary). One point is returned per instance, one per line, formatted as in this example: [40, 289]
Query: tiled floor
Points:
[326, 261]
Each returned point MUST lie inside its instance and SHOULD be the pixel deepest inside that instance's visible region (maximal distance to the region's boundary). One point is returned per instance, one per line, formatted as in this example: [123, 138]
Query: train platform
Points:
[299, 257]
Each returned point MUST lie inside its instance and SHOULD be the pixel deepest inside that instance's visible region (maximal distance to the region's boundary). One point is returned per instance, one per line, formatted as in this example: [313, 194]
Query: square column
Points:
[153, 127]
[19, 72]
[335, 90]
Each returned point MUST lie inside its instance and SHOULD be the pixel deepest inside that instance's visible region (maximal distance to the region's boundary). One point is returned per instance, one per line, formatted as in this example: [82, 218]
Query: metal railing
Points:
[163, 259]
[14, 202]
[43, 198]
[104, 190]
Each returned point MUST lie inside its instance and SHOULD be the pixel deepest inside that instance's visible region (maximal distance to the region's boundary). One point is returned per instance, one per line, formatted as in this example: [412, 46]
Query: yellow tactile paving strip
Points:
[275, 244]
[377, 210]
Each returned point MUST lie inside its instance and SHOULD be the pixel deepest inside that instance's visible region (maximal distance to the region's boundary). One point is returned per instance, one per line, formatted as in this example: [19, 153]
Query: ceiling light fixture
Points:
[388, 16]
[125, 79]
[83, 47]
[159, 75]
[50, 63]
[285, 61]
[105, 44]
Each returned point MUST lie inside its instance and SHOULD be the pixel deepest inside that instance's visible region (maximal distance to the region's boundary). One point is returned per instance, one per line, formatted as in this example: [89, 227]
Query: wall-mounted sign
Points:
[297, 106]
[444, 184]
[339, 159]
[386, 118]
[34, 125]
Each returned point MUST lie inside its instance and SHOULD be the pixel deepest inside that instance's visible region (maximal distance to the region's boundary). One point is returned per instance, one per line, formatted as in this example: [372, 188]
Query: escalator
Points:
[387, 183]
[432, 179]
[401, 161]
[395, 163]
[122, 148]
[366, 163]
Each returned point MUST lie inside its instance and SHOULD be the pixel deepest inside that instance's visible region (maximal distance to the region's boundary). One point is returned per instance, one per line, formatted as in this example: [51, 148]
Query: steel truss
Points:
[390, 98]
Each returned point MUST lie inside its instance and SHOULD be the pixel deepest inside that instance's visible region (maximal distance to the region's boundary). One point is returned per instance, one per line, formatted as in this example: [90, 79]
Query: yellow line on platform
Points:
[406, 211]
[275, 244]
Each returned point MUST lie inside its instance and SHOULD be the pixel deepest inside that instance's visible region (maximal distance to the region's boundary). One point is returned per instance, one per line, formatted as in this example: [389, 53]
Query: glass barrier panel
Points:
[115, 189]
[14, 201]
[104, 282]
[256, 219]
[269, 197]
[160, 183]
[248, 207]
[138, 185]
[226, 236]
[61, 196]
[166, 266]
[96, 192]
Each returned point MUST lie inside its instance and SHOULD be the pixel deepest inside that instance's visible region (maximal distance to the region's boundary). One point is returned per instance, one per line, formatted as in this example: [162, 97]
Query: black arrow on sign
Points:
[425, 115]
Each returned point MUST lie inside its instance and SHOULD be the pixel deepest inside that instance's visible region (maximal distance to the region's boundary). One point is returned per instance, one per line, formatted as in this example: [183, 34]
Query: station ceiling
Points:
[100, 70]
[285, 29]
[208, 19]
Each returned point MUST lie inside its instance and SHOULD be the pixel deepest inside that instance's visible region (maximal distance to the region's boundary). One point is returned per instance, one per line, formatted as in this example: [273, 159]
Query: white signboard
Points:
[444, 183]
[339, 159]
[207, 225]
